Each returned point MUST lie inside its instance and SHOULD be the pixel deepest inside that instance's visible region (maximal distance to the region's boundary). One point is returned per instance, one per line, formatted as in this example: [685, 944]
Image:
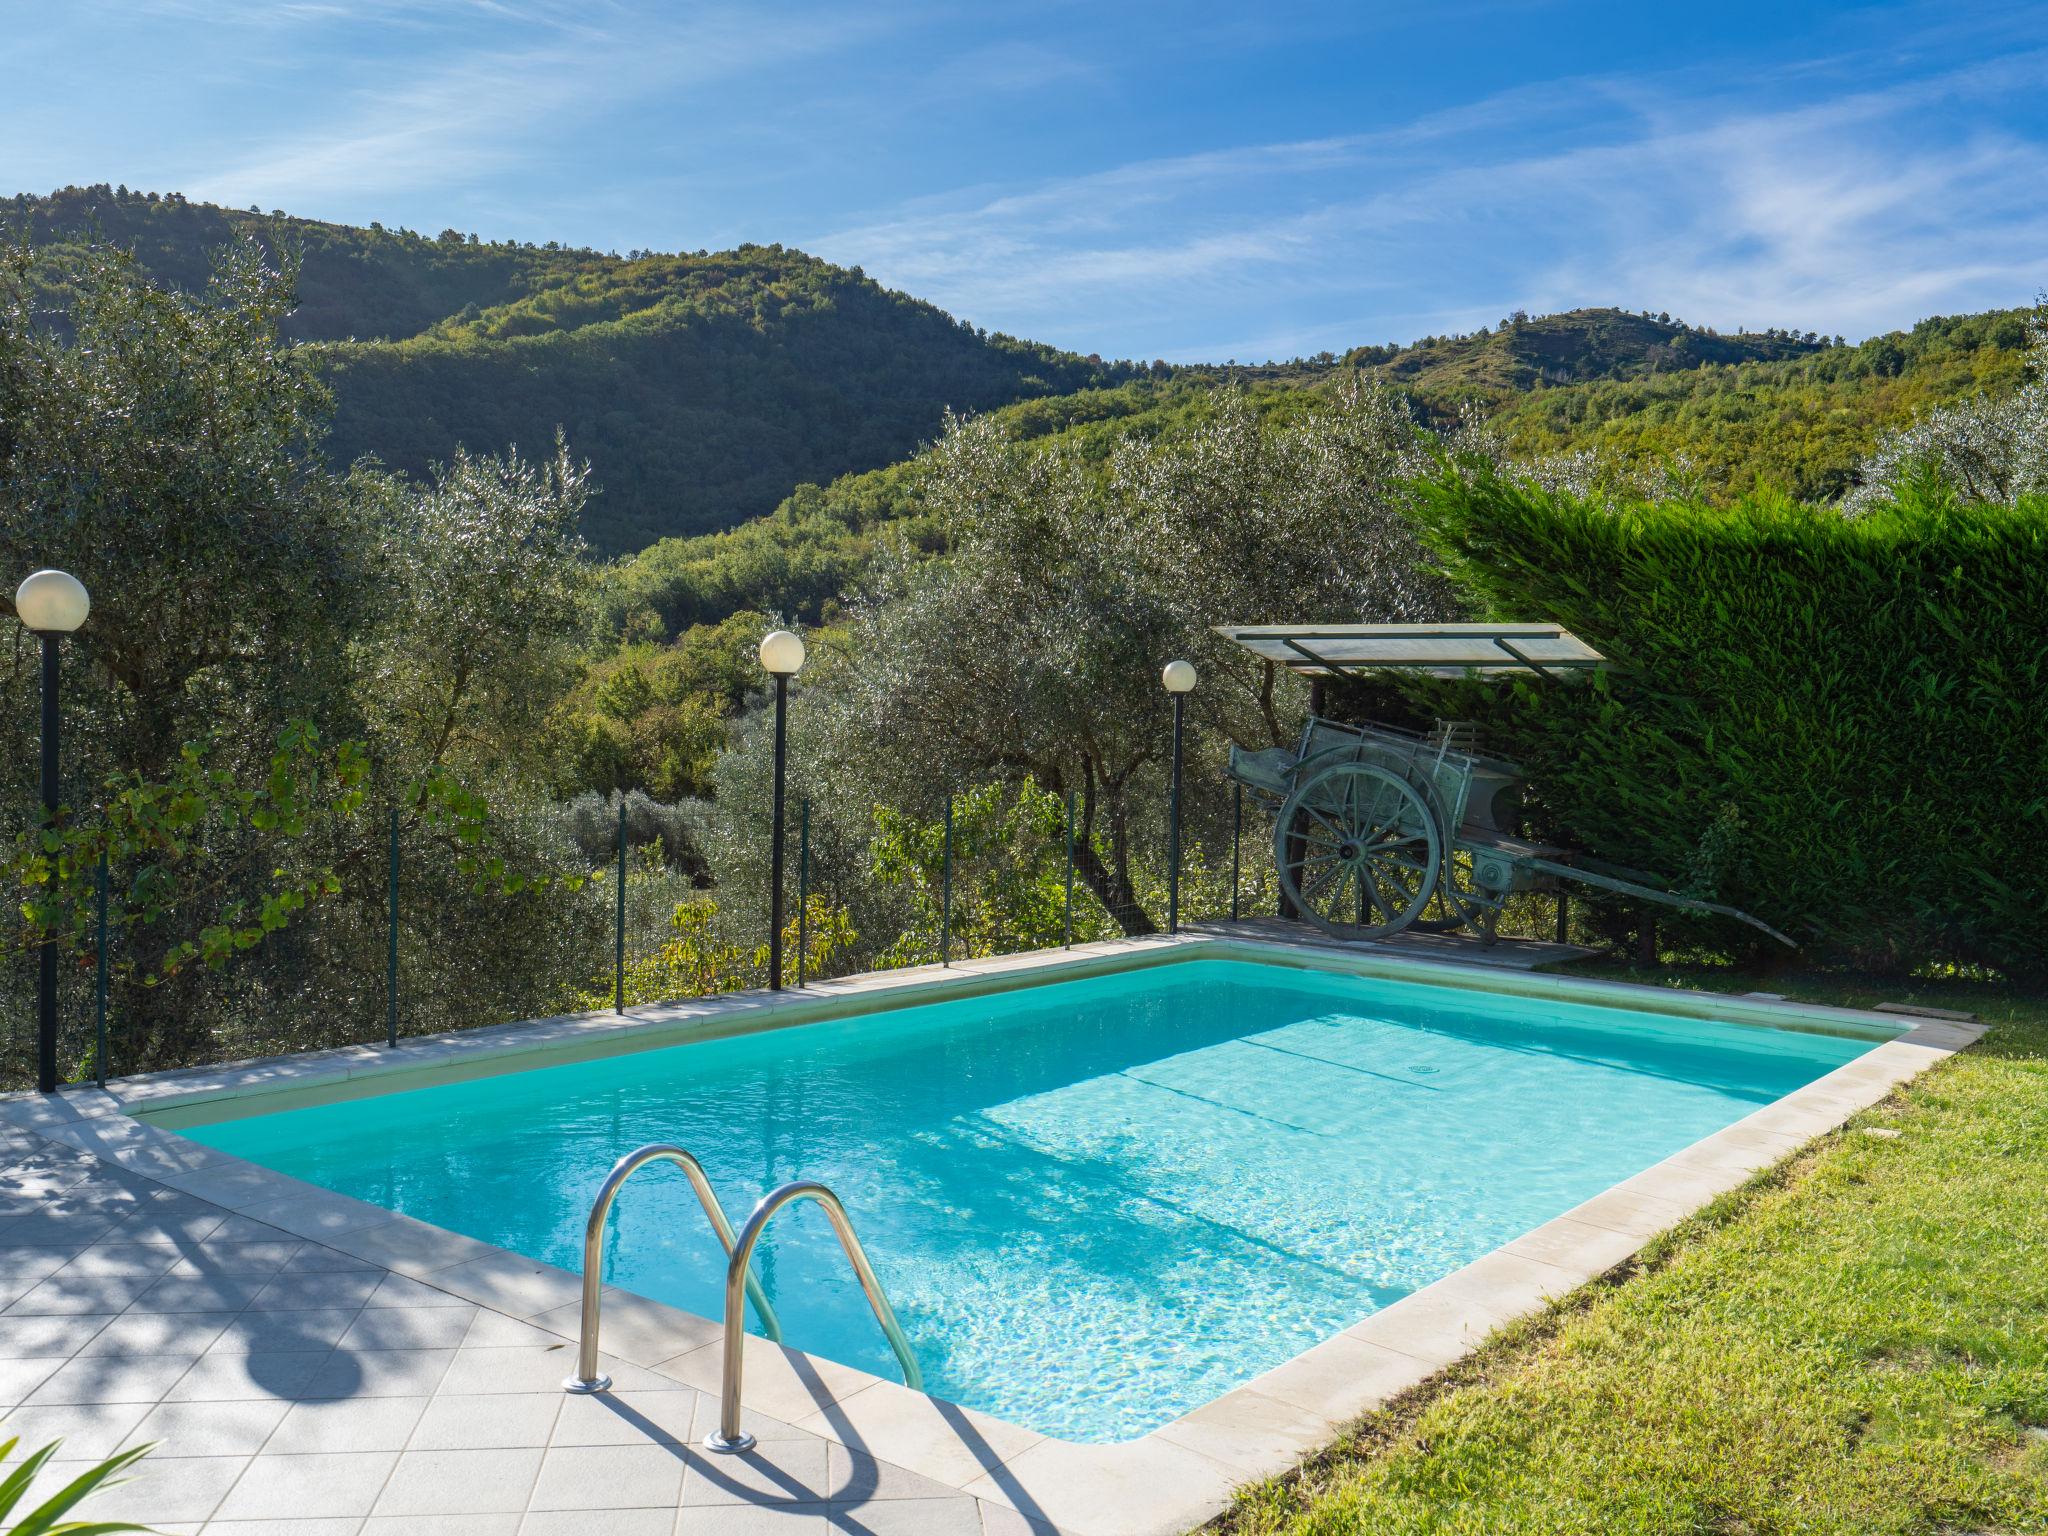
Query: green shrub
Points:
[1836, 724]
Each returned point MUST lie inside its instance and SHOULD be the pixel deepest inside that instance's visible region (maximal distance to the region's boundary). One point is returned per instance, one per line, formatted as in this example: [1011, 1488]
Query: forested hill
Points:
[705, 389]
[363, 283]
[1800, 420]
[702, 388]
[1525, 353]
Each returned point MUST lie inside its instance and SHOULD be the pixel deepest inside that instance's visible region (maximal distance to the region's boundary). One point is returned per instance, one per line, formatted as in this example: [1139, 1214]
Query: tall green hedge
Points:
[1841, 726]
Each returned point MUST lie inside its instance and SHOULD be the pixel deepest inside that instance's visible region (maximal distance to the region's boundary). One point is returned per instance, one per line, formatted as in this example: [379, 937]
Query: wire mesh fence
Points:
[416, 945]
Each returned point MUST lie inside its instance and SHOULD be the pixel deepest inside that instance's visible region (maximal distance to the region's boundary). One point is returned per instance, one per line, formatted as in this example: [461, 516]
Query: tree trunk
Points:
[1112, 887]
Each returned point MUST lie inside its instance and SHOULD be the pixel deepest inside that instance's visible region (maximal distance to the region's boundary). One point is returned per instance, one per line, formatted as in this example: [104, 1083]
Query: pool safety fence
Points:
[418, 943]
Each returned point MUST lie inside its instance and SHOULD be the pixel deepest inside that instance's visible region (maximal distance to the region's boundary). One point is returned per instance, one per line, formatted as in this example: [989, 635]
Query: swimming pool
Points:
[1097, 1202]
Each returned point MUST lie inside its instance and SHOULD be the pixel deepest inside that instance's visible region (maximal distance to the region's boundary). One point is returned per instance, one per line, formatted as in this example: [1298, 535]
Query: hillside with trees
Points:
[708, 390]
[1800, 422]
[702, 388]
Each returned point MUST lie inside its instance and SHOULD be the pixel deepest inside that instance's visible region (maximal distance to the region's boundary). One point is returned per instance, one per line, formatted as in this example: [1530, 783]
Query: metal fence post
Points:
[391, 951]
[1236, 840]
[1563, 916]
[619, 921]
[946, 891]
[803, 889]
[99, 979]
[1067, 936]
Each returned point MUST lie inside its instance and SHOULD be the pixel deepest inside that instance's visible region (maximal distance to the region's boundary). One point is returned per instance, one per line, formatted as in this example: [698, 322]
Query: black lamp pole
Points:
[775, 852]
[1180, 709]
[46, 951]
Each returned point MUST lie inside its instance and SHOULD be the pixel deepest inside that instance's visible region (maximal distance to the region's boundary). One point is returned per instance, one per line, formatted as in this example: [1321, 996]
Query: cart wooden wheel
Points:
[1460, 901]
[1358, 850]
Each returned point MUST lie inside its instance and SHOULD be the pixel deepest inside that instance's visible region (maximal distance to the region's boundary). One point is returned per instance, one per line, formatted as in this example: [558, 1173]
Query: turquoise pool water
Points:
[1096, 1203]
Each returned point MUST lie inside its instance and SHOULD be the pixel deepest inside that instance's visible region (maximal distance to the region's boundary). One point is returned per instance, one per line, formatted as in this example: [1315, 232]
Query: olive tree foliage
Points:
[1245, 521]
[165, 447]
[159, 446]
[478, 576]
[1034, 649]
[1984, 450]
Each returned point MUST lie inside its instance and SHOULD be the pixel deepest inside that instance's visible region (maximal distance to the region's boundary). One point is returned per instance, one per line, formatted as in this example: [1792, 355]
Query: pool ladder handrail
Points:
[587, 1377]
[729, 1437]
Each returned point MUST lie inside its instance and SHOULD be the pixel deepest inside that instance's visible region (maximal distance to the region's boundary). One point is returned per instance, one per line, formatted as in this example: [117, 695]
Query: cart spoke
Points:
[1310, 890]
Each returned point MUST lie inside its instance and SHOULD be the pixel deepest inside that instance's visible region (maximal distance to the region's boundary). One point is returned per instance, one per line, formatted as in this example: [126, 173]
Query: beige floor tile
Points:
[160, 1489]
[1630, 1213]
[125, 1259]
[270, 1333]
[347, 1424]
[535, 1370]
[409, 1327]
[627, 1418]
[954, 1516]
[379, 1373]
[239, 1378]
[491, 1421]
[83, 1295]
[88, 1430]
[1577, 1246]
[633, 1328]
[494, 1330]
[210, 1429]
[610, 1477]
[105, 1378]
[609, 1522]
[1253, 1435]
[773, 1472]
[938, 1439]
[1145, 1488]
[761, 1426]
[316, 1292]
[401, 1291]
[1340, 1378]
[260, 1258]
[317, 1486]
[25, 1338]
[854, 1477]
[778, 1381]
[752, 1520]
[511, 1285]
[461, 1482]
[1001, 1520]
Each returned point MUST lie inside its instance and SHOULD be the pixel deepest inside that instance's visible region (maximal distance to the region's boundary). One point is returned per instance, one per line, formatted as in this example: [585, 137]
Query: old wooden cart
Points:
[1378, 829]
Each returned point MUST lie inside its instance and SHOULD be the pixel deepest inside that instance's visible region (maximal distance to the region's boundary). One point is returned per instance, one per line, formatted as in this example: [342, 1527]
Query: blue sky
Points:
[1188, 181]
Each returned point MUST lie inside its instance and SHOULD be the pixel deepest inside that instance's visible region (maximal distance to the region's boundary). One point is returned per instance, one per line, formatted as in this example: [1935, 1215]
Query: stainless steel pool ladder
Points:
[729, 1437]
[587, 1378]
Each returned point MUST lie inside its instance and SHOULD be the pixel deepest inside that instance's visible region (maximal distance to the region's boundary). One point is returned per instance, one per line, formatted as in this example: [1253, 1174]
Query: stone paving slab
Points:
[297, 1390]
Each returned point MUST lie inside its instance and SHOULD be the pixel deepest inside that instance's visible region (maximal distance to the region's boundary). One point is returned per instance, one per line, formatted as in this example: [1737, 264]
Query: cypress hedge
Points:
[1836, 724]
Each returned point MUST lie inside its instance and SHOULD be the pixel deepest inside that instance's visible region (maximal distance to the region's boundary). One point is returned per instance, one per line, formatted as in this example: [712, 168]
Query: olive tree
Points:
[161, 446]
[1033, 650]
[166, 448]
[1983, 450]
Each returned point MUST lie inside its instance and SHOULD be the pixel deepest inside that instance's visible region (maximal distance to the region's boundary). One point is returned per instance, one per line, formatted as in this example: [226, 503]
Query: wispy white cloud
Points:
[480, 109]
[1855, 212]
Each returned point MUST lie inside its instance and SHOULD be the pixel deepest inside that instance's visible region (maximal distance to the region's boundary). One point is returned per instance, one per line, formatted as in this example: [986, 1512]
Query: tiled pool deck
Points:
[318, 1366]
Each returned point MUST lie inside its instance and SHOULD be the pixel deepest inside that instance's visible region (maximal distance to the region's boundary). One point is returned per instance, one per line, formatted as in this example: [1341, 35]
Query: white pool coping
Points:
[1169, 1480]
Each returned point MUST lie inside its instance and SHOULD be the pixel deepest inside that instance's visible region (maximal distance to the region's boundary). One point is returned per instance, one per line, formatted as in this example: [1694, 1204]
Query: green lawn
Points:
[1855, 1342]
